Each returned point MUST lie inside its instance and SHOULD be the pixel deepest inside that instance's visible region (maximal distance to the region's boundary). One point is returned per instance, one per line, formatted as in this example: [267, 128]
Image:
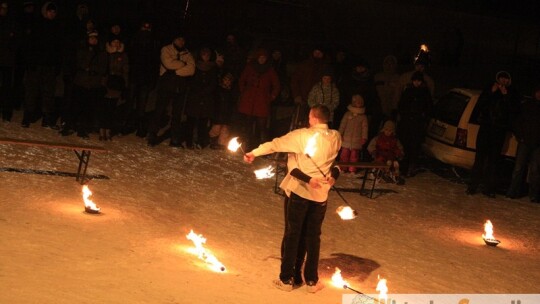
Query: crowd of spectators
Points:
[81, 77]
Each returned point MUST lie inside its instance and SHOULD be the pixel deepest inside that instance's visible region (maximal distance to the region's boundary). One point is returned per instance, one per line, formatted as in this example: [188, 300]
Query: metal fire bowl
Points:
[492, 242]
[90, 210]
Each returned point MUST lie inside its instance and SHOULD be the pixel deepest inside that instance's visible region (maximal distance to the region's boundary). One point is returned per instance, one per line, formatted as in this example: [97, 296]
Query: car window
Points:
[450, 107]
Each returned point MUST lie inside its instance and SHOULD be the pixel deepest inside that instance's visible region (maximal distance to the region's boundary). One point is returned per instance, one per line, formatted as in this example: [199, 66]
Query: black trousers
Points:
[6, 89]
[170, 90]
[303, 228]
[40, 86]
[489, 143]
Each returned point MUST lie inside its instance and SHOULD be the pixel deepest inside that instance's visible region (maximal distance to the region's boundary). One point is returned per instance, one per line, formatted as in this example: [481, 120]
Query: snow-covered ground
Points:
[424, 237]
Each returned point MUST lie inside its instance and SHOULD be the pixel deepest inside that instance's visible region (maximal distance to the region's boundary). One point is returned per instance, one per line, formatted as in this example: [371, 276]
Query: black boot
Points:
[152, 139]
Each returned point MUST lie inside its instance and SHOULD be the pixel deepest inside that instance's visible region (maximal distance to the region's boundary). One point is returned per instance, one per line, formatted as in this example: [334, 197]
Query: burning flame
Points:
[338, 281]
[424, 48]
[203, 254]
[234, 144]
[88, 203]
[382, 289]
[346, 212]
[311, 145]
[488, 229]
[267, 172]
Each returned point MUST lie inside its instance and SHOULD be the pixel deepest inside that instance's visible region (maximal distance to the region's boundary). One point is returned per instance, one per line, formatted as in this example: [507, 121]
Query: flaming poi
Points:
[264, 173]
[488, 237]
[203, 254]
[383, 290]
[338, 281]
[346, 212]
[89, 205]
[234, 145]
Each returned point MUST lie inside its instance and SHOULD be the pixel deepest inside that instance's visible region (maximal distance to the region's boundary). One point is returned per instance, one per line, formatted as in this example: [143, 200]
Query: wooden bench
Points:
[83, 152]
[376, 168]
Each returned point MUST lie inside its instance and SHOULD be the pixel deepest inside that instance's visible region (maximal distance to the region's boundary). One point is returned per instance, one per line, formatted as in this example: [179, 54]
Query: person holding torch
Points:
[311, 173]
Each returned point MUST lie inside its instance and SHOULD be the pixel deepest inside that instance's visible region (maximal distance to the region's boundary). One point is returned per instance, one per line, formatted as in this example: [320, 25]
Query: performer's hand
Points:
[330, 181]
[249, 157]
[316, 182]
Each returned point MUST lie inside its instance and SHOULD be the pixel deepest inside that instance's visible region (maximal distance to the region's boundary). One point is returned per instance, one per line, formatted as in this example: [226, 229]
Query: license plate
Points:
[437, 130]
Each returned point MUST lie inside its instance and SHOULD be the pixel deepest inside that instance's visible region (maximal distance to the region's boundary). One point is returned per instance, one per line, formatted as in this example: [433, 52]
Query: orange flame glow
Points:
[88, 203]
[346, 213]
[203, 254]
[382, 289]
[311, 146]
[424, 48]
[338, 281]
[264, 173]
[488, 229]
[234, 145]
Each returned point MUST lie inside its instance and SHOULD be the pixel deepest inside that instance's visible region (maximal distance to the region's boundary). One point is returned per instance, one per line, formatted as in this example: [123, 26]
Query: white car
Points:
[451, 132]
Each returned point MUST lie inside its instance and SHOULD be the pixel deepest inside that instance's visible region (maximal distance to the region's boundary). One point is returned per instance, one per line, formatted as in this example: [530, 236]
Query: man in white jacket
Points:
[177, 64]
[311, 174]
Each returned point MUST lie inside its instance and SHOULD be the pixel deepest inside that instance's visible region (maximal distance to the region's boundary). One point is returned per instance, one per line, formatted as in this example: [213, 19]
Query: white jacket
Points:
[327, 143]
[181, 62]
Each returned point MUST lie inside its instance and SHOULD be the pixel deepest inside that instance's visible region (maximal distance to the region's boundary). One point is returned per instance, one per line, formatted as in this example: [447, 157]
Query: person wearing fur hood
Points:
[354, 131]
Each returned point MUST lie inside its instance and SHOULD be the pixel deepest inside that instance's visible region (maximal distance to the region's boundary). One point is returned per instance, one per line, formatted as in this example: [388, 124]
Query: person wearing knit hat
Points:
[354, 132]
[325, 93]
[386, 148]
[414, 109]
[498, 107]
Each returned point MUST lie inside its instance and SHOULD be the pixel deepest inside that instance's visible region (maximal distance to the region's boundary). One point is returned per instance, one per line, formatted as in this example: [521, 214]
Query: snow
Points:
[423, 237]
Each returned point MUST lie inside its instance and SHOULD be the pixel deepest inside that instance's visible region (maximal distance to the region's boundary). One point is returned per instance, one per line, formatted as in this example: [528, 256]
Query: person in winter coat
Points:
[144, 70]
[9, 40]
[386, 83]
[88, 91]
[305, 76]
[44, 60]
[527, 132]
[177, 64]
[325, 93]
[200, 100]
[354, 131]
[360, 81]
[306, 187]
[387, 148]
[414, 109]
[259, 86]
[115, 84]
[221, 120]
[498, 107]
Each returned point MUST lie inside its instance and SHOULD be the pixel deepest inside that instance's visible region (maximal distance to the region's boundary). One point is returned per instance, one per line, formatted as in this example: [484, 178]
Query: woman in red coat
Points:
[259, 86]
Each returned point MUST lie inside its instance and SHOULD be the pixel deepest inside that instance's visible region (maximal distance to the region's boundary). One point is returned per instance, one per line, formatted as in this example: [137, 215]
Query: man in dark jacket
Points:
[44, 62]
[498, 106]
[9, 36]
[527, 131]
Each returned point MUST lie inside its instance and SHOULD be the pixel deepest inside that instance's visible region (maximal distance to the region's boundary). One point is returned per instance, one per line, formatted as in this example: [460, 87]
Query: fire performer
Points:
[307, 190]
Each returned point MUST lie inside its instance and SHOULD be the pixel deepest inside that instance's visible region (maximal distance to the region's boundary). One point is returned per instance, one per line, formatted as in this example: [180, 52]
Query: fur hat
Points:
[327, 71]
[502, 74]
[389, 126]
